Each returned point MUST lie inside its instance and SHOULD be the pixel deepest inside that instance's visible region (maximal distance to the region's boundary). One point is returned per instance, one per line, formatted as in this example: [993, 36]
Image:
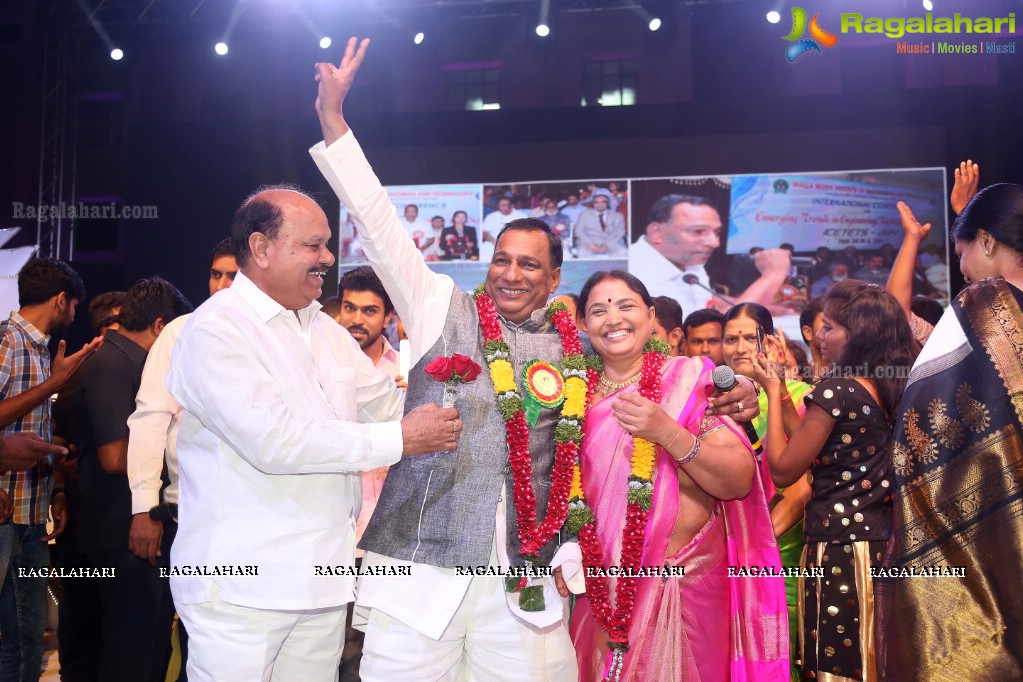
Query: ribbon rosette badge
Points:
[544, 388]
[458, 369]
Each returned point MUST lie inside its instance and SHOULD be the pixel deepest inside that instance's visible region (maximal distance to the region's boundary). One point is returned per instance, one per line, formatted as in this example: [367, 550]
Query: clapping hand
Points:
[967, 178]
[910, 225]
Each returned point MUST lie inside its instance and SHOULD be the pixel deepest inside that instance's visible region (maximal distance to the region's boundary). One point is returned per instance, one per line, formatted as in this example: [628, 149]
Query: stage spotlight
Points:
[420, 37]
[325, 42]
[117, 54]
[543, 28]
[773, 17]
[655, 24]
[928, 5]
[220, 48]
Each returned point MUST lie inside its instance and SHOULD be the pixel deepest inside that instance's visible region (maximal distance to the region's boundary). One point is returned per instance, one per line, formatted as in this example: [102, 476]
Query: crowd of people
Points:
[595, 487]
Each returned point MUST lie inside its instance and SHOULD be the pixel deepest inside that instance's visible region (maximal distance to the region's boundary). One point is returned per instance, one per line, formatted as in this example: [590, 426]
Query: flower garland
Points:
[567, 433]
[616, 620]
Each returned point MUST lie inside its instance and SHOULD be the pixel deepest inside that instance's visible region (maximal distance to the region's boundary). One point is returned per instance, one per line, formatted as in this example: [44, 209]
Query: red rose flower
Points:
[440, 369]
[464, 367]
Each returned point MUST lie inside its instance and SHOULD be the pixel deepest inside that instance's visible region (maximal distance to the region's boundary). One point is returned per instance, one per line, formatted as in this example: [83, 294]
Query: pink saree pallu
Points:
[702, 625]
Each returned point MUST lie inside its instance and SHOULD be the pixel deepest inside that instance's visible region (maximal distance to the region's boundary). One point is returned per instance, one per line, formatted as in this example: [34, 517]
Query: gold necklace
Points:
[607, 386]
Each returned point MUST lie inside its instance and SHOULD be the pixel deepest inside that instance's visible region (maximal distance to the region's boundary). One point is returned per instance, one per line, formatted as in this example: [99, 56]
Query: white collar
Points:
[267, 308]
[657, 268]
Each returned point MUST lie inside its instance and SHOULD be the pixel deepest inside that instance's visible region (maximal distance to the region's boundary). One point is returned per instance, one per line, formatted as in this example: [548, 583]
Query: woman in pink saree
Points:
[707, 514]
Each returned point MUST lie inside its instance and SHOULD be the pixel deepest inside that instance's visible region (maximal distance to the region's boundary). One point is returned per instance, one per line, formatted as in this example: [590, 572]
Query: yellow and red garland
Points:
[534, 536]
[616, 620]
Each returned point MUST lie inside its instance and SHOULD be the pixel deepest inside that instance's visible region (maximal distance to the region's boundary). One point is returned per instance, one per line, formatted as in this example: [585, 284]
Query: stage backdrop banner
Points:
[852, 213]
[430, 200]
[833, 210]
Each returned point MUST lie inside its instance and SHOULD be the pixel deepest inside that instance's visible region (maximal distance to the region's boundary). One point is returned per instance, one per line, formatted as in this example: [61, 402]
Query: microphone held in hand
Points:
[693, 280]
[725, 381]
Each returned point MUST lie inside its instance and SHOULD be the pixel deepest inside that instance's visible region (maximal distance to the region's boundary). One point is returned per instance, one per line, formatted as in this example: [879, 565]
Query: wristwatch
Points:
[160, 512]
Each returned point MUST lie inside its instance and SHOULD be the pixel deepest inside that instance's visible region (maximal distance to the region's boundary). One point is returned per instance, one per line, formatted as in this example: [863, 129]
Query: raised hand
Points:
[773, 261]
[967, 177]
[335, 82]
[910, 225]
[65, 366]
[429, 429]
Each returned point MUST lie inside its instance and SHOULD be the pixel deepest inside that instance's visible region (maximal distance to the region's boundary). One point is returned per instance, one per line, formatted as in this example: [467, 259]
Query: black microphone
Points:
[693, 280]
[725, 381]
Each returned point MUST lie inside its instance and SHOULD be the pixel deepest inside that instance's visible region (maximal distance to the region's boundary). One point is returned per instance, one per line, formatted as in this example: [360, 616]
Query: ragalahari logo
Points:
[800, 45]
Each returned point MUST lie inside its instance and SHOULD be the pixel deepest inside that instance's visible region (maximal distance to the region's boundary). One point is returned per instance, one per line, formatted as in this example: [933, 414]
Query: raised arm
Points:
[419, 295]
[900, 280]
[774, 266]
[64, 367]
[967, 178]
[335, 82]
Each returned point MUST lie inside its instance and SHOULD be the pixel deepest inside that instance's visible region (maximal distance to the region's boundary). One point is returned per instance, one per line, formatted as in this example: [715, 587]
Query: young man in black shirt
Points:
[135, 613]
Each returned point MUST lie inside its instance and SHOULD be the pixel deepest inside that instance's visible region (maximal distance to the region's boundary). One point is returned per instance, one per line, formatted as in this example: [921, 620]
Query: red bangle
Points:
[787, 398]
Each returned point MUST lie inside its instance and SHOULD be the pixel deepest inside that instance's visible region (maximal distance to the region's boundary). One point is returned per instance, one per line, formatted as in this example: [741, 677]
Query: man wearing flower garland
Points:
[494, 502]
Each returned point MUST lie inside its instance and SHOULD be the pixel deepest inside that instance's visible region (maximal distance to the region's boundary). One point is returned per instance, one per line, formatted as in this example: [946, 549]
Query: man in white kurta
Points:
[153, 428]
[441, 623]
[278, 404]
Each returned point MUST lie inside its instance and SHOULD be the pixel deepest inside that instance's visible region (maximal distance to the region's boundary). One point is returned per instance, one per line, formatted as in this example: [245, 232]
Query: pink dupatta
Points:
[668, 640]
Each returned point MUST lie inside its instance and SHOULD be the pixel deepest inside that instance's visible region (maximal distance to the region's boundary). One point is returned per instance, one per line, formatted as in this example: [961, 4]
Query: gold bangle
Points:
[678, 433]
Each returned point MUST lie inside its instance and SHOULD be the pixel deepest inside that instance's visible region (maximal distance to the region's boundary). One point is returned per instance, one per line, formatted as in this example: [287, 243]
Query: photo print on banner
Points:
[590, 216]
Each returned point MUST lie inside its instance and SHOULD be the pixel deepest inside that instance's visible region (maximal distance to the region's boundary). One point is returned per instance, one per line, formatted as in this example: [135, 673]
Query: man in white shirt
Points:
[153, 429]
[441, 515]
[278, 402]
[153, 434]
[418, 228]
[494, 223]
[682, 232]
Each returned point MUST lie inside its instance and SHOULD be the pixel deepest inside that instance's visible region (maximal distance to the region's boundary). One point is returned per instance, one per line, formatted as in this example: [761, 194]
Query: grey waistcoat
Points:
[439, 509]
